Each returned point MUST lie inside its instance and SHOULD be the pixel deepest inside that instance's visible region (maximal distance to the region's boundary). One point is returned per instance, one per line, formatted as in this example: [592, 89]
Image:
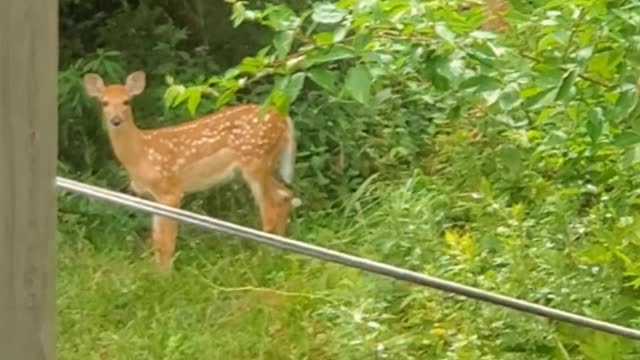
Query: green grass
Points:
[228, 299]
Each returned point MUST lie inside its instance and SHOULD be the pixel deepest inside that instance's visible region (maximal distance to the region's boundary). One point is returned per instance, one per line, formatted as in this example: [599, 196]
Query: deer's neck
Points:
[127, 143]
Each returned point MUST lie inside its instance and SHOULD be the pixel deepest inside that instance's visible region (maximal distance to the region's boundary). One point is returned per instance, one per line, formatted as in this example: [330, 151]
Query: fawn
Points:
[168, 162]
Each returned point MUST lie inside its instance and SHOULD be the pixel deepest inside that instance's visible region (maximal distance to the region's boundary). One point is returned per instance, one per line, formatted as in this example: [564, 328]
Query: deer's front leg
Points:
[165, 232]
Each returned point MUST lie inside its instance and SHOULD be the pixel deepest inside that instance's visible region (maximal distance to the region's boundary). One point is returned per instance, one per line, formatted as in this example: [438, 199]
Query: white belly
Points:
[209, 171]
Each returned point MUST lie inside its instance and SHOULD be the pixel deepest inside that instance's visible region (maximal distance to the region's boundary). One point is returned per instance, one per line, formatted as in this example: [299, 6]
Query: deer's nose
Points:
[116, 120]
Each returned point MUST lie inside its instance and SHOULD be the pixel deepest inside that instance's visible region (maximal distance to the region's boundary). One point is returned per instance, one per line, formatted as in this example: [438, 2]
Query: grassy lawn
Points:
[228, 299]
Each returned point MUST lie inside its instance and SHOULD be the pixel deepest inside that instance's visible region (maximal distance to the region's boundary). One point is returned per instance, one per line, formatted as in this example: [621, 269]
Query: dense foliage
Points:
[495, 148]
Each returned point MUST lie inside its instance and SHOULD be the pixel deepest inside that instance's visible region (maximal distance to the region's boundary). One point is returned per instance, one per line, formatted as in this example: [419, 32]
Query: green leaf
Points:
[603, 64]
[361, 41]
[481, 83]
[491, 96]
[556, 138]
[282, 42]
[541, 99]
[482, 55]
[238, 13]
[280, 100]
[438, 72]
[627, 138]
[225, 97]
[326, 79]
[595, 120]
[626, 103]
[213, 80]
[510, 97]
[194, 99]
[323, 38]
[547, 42]
[327, 13]
[358, 83]
[279, 17]
[634, 117]
[251, 65]
[294, 86]
[184, 95]
[338, 52]
[340, 33]
[584, 53]
[564, 88]
[285, 91]
[443, 31]
[383, 95]
[171, 94]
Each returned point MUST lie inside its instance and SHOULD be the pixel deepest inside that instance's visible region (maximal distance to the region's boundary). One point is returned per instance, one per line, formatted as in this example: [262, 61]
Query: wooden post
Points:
[28, 157]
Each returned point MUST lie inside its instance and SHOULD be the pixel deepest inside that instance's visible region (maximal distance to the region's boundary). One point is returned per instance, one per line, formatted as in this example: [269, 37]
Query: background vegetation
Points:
[496, 145]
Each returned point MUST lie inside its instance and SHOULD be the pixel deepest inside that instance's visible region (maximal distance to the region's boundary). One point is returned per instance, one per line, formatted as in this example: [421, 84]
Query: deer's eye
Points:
[105, 103]
[125, 103]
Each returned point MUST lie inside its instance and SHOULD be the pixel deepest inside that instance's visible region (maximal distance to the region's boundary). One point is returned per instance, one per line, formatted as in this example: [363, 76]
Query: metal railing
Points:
[341, 258]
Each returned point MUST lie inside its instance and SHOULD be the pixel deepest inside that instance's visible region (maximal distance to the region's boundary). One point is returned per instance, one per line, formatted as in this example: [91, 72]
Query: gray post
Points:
[28, 156]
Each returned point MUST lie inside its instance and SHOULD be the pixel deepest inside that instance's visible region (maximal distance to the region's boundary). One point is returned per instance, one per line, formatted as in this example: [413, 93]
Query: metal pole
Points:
[343, 259]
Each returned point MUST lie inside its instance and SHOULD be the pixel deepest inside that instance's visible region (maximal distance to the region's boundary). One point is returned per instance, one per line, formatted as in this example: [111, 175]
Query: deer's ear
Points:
[136, 83]
[93, 85]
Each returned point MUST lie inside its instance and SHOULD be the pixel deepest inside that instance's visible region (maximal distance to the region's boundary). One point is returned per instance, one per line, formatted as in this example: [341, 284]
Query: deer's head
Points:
[115, 98]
